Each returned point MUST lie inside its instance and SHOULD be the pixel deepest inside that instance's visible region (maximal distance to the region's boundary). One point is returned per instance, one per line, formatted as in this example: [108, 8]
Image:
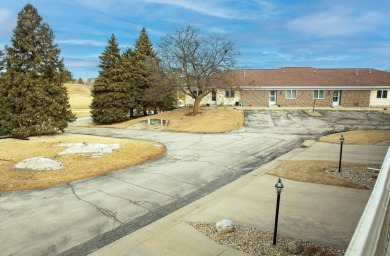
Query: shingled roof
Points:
[302, 77]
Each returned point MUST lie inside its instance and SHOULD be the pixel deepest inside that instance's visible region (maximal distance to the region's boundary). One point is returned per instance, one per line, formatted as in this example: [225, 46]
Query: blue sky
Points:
[268, 34]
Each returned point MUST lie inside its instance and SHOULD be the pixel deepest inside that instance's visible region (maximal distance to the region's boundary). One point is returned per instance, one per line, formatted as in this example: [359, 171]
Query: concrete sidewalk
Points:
[324, 214]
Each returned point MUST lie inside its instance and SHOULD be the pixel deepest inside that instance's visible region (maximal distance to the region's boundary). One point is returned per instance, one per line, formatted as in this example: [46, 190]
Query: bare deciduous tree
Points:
[200, 61]
[160, 95]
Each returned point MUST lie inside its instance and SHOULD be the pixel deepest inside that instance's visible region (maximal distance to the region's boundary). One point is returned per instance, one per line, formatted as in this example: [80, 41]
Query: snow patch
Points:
[93, 150]
[39, 164]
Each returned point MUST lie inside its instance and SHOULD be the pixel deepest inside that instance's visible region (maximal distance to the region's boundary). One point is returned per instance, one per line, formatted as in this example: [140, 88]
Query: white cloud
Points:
[202, 7]
[7, 21]
[276, 55]
[335, 22]
[149, 30]
[79, 63]
[333, 58]
[5, 15]
[215, 8]
[97, 4]
[81, 42]
[382, 49]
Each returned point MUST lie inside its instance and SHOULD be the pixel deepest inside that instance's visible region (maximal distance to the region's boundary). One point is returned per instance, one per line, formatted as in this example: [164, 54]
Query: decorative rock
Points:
[295, 248]
[224, 226]
[39, 164]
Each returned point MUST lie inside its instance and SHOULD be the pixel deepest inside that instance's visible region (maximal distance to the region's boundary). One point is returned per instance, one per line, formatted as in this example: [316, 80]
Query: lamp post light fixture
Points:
[279, 187]
[341, 151]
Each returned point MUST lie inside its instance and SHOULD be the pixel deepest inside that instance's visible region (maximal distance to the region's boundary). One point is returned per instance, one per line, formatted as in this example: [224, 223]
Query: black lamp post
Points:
[279, 186]
[341, 150]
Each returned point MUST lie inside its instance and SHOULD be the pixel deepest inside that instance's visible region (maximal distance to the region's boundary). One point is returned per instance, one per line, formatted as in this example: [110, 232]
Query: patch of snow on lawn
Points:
[39, 164]
[92, 150]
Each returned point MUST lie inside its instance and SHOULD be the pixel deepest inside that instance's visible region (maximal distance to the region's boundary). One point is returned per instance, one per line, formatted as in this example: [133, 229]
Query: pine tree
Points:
[110, 92]
[141, 76]
[2, 61]
[127, 66]
[33, 99]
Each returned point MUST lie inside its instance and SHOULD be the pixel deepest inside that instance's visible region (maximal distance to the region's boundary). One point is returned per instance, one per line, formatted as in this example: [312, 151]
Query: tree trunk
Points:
[131, 112]
[195, 109]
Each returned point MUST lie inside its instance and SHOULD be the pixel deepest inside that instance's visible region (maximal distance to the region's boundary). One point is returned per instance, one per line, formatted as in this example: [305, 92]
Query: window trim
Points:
[229, 93]
[381, 94]
[317, 95]
[291, 97]
[197, 92]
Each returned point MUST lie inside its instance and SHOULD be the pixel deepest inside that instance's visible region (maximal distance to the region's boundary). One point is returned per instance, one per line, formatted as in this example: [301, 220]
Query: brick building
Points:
[301, 87]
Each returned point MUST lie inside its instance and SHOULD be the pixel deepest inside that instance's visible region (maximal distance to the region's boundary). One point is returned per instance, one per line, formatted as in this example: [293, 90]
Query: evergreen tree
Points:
[2, 61]
[68, 77]
[127, 66]
[110, 92]
[33, 99]
[141, 76]
[80, 81]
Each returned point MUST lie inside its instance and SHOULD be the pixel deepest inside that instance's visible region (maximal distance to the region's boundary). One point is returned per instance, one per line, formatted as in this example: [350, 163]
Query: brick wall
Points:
[304, 98]
[355, 99]
[264, 98]
[251, 98]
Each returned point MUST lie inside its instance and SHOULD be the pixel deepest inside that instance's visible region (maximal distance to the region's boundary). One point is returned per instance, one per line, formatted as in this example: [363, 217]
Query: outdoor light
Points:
[279, 187]
[341, 151]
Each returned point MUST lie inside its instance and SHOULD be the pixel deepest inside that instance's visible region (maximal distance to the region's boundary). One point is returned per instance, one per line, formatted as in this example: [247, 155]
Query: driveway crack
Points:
[105, 212]
[300, 124]
[164, 175]
[159, 192]
[137, 203]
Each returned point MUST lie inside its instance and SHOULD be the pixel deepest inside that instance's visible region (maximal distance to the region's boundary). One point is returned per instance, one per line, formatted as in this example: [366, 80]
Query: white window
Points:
[196, 92]
[291, 94]
[318, 94]
[229, 93]
[381, 94]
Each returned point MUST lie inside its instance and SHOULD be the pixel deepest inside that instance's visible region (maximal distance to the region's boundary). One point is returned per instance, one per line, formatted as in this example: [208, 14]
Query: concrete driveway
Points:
[78, 218]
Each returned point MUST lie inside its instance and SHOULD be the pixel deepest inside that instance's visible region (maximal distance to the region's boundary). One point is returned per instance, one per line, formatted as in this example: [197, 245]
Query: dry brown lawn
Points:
[209, 120]
[77, 166]
[79, 99]
[370, 137]
[314, 172]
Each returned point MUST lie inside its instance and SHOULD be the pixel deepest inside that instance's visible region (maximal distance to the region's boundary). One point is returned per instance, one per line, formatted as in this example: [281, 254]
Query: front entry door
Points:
[214, 97]
[272, 98]
[336, 98]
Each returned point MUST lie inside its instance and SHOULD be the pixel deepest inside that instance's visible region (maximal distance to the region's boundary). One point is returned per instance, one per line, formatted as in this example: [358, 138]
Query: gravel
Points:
[383, 143]
[361, 175]
[257, 242]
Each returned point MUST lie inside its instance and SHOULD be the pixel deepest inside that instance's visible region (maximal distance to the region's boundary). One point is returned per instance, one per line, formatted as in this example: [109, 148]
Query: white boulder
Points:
[224, 226]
